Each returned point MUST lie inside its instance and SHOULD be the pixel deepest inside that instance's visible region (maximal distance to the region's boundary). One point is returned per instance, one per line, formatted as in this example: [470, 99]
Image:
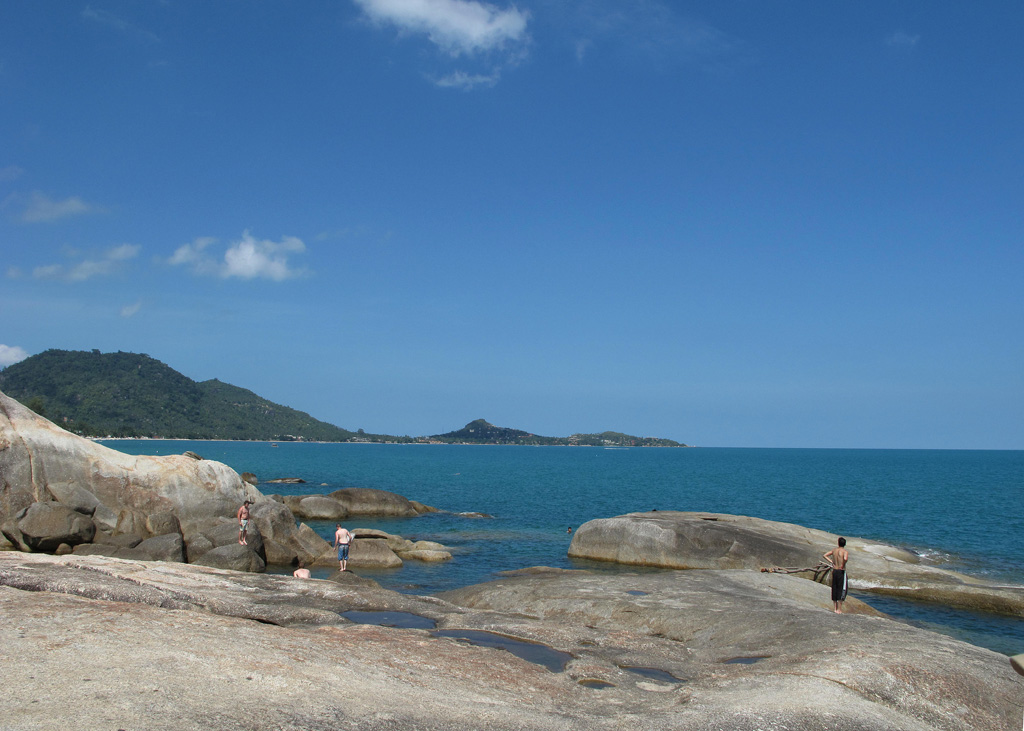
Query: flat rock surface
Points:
[693, 540]
[97, 642]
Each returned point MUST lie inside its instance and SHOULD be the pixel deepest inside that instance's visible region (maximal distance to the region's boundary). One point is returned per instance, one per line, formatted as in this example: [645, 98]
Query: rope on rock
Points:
[821, 571]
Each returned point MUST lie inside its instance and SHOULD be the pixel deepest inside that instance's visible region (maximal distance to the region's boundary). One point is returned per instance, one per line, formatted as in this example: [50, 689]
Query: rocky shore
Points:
[64, 494]
[102, 642]
[127, 602]
[693, 540]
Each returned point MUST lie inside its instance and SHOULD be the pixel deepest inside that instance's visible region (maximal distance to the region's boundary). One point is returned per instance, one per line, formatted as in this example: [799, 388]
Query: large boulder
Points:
[317, 507]
[365, 501]
[117, 493]
[313, 549]
[41, 462]
[693, 540]
[350, 501]
[225, 533]
[196, 545]
[233, 557]
[159, 524]
[372, 553]
[426, 551]
[46, 525]
[168, 547]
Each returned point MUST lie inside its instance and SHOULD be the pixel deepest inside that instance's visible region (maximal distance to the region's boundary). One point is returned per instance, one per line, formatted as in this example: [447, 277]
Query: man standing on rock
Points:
[837, 558]
[243, 522]
[341, 540]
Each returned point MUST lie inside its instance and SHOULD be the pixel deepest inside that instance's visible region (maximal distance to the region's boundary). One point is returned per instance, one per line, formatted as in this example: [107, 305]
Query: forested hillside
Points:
[133, 395]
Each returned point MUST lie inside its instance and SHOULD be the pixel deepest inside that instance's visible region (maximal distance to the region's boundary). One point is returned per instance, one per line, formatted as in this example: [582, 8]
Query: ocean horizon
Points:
[962, 509]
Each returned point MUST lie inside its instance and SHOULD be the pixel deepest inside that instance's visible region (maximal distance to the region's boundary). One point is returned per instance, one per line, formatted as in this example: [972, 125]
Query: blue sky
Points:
[728, 223]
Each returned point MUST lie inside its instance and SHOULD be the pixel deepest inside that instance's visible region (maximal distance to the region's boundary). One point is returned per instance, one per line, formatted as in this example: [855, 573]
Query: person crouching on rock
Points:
[837, 558]
[243, 522]
[341, 540]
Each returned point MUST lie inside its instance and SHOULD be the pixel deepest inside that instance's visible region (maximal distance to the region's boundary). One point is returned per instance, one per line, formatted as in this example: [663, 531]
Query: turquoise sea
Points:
[965, 508]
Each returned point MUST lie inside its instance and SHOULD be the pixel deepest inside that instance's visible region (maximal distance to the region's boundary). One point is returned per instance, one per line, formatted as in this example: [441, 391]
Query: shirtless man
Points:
[243, 522]
[837, 558]
[341, 540]
[301, 572]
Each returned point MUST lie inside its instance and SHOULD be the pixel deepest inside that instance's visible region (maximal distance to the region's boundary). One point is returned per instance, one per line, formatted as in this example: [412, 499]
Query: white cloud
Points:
[899, 39]
[456, 26]
[50, 271]
[123, 252]
[130, 310]
[11, 354]
[80, 271]
[42, 208]
[248, 258]
[467, 82]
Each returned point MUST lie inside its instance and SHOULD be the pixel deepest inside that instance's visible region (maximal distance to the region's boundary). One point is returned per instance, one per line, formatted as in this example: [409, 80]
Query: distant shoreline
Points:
[403, 444]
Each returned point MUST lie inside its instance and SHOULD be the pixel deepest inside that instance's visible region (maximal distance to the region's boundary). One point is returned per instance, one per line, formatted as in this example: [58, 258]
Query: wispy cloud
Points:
[119, 24]
[899, 39]
[107, 263]
[467, 31]
[130, 310]
[247, 258]
[41, 208]
[651, 28]
[11, 354]
[467, 82]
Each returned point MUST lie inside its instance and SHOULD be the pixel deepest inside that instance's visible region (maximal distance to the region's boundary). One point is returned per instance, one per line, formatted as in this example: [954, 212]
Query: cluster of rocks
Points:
[60, 493]
[86, 643]
[694, 540]
[350, 502]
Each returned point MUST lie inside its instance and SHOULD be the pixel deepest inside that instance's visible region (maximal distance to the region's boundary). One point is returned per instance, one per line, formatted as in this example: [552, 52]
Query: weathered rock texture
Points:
[60, 493]
[427, 551]
[353, 501]
[683, 540]
[103, 643]
[60, 489]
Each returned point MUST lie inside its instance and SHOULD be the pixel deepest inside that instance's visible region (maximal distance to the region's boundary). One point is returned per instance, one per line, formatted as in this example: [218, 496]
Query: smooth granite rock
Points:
[689, 540]
[43, 464]
[427, 551]
[364, 501]
[101, 643]
[234, 557]
[46, 525]
[373, 553]
[168, 547]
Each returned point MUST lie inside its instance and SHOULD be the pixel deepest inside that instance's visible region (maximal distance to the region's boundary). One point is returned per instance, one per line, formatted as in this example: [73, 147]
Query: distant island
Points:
[481, 432]
[131, 395]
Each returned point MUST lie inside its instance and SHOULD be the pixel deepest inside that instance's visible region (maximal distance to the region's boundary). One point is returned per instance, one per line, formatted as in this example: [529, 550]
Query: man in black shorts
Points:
[837, 558]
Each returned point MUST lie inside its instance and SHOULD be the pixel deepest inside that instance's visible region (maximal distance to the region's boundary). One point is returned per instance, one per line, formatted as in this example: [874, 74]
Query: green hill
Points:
[131, 395]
